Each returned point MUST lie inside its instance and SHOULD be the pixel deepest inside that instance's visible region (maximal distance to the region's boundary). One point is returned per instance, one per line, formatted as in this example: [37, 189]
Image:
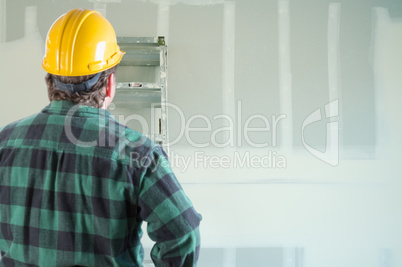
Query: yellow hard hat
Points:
[81, 42]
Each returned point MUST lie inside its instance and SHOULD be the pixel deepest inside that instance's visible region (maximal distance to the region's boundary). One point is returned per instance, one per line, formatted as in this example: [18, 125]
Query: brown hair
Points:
[94, 97]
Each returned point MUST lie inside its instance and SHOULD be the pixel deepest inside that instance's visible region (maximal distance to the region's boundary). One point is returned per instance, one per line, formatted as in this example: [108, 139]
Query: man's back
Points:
[75, 186]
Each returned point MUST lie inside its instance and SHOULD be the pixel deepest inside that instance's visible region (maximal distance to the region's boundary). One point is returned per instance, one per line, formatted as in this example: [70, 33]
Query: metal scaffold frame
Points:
[148, 52]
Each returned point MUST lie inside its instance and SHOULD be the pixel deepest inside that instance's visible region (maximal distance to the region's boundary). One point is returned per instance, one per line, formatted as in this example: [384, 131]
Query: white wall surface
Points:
[288, 58]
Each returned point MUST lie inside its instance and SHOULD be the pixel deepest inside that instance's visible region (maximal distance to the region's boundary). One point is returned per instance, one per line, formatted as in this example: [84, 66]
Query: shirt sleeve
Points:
[173, 223]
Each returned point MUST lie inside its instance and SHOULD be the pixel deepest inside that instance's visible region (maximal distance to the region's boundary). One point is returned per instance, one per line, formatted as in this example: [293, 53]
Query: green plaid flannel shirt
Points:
[75, 187]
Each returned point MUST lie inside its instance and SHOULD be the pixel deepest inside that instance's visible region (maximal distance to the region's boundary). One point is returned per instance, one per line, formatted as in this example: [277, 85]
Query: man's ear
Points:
[110, 84]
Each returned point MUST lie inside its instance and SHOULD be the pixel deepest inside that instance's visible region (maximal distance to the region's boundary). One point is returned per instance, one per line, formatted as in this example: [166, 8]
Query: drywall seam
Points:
[31, 24]
[292, 257]
[229, 257]
[333, 51]
[101, 7]
[285, 74]
[3, 17]
[382, 20]
[163, 21]
[334, 75]
[228, 62]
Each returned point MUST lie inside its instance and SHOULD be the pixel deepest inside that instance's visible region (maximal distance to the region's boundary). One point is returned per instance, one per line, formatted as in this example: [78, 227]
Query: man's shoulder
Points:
[130, 142]
[25, 121]
[6, 130]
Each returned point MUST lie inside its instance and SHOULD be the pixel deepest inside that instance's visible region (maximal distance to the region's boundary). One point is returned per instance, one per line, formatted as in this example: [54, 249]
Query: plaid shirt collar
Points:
[65, 107]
